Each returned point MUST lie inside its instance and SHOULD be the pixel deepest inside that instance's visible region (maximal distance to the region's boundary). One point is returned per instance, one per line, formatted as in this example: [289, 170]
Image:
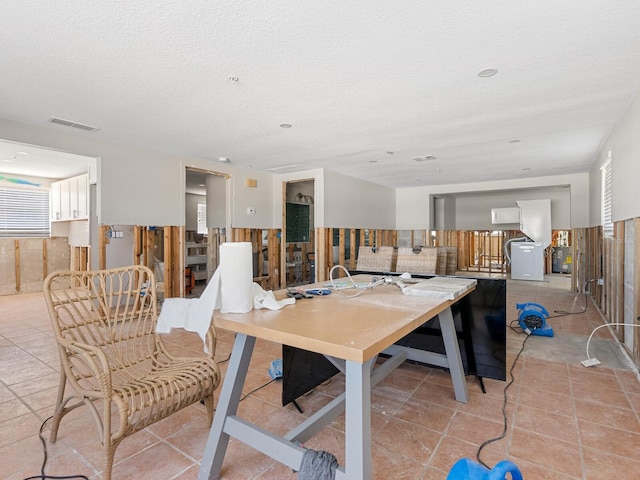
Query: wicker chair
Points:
[112, 358]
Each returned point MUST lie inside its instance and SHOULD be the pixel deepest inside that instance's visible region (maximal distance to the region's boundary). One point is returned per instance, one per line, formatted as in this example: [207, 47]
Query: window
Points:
[607, 222]
[24, 212]
[202, 219]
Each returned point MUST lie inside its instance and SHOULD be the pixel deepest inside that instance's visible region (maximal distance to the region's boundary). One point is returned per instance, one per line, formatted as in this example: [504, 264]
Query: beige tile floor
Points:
[564, 421]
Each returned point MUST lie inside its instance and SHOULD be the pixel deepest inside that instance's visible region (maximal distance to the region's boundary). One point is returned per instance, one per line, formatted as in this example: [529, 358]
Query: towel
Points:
[195, 314]
[317, 465]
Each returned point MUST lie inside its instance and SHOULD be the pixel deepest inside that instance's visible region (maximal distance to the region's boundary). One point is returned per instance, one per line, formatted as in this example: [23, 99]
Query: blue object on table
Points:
[318, 291]
[466, 469]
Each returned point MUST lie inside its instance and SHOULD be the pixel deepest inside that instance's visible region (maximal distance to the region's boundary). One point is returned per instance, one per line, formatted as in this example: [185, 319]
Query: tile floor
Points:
[565, 421]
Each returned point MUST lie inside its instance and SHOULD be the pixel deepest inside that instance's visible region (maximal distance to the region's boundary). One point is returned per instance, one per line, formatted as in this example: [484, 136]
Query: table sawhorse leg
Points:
[227, 405]
[454, 360]
[358, 420]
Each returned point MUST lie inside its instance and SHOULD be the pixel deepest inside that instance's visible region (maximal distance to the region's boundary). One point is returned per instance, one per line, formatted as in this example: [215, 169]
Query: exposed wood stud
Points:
[103, 241]
[168, 263]
[44, 258]
[16, 244]
[352, 249]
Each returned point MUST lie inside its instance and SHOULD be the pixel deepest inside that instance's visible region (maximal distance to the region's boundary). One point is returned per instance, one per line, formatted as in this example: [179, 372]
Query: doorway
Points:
[298, 246]
[205, 226]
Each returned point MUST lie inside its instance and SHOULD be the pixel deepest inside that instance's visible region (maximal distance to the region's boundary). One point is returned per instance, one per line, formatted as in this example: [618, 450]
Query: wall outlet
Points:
[591, 362]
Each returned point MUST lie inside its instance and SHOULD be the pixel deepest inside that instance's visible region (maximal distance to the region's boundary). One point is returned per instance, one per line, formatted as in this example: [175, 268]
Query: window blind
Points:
[202, 219]
[24, 212]
[607, 222]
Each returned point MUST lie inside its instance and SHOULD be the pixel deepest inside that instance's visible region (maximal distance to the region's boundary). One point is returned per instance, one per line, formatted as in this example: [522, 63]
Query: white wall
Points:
[260, 199]
[144, 187]
[414, 212]
[624, 144]
[354, 203]
[473, 211]
[341, 201]
[216, 201]
[191, 210]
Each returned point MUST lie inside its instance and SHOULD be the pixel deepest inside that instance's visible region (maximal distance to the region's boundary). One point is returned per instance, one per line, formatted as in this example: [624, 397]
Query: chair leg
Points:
[60, 409]
[209, 402]
[109, 453]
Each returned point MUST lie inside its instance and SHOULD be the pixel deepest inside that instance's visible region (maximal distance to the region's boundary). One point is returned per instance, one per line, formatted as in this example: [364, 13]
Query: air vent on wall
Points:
[69, 123]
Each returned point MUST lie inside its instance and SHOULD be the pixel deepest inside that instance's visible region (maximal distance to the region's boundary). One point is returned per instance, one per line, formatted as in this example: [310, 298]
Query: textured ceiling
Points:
[366, 85]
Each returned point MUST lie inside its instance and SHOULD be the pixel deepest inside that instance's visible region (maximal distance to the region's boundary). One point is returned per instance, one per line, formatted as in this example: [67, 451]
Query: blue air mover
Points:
[533, 319]
[465, 469]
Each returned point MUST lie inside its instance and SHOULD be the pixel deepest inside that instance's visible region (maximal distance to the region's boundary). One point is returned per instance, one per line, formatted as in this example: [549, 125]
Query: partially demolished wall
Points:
[25, 262]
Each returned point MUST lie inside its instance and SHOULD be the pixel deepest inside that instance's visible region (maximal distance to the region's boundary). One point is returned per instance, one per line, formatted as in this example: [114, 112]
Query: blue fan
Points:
[533, 319]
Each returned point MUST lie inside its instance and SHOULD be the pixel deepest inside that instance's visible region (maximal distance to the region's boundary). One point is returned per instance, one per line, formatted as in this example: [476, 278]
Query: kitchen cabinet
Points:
[70, 199]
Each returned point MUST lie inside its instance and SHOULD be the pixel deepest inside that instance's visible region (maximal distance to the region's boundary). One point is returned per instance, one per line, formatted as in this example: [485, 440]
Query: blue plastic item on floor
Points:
[275, 369]
[466, 469]
[533, 319]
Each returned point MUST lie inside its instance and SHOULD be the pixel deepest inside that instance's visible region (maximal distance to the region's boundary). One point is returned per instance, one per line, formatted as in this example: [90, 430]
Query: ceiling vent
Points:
[285, 169]
[69, 123]
[424, 158]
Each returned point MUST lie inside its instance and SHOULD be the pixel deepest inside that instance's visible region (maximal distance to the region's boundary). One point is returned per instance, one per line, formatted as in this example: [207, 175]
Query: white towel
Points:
[192, 314]
[195, 314]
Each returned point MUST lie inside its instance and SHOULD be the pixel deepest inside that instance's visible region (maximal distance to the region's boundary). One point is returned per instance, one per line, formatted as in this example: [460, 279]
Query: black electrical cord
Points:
[256, 389]
[562, 313]
[42, 475]
[504, 406]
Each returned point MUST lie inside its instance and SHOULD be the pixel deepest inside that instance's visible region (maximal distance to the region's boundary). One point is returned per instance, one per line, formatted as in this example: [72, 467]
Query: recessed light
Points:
[285, 125]
[201, 185]
[373, 161]
[526, 169]
[223, 159]
[22, 153]
[487, 72]
[515, 140]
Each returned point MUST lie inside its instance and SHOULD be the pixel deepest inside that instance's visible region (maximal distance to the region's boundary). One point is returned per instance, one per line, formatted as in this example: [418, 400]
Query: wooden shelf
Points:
[196, 259]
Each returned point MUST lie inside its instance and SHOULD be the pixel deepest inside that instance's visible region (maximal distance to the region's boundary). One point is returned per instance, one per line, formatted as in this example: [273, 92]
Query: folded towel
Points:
[318, 465]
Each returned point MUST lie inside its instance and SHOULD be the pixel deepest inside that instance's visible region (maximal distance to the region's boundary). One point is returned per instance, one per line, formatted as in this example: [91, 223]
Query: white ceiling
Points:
[366, 85]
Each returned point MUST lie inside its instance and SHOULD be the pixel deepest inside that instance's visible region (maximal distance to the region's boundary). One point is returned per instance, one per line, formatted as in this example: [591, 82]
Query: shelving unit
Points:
[196, 259]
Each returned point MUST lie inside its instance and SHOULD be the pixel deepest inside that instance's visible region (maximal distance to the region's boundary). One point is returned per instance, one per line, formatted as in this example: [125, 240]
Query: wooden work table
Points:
[350, 332]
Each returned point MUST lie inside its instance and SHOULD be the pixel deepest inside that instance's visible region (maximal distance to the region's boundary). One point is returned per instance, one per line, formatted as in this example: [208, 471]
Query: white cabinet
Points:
[70, 199]
[78, 197]
[56, 206]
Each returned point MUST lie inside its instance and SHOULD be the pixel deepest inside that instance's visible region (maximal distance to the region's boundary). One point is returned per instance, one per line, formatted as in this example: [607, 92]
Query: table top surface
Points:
[353, 329]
